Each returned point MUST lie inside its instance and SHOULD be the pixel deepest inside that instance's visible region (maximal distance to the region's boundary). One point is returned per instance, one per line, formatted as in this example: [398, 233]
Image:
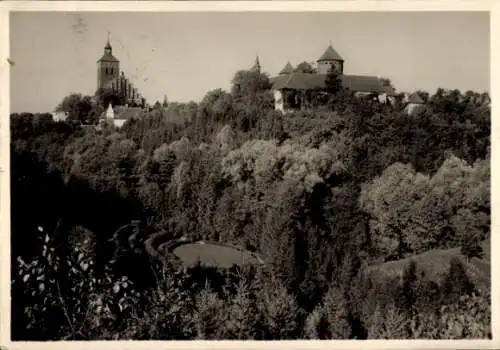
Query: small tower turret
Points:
[330, 60]
[288, 69]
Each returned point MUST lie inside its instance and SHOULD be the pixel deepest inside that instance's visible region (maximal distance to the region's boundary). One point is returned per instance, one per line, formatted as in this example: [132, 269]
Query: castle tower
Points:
[108, 67]
[330, 59]
[288, 69]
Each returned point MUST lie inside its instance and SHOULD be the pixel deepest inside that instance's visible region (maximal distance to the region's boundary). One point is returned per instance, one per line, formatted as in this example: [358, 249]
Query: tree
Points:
[333, 82]
[77, 106]
[408, 291]
[280, 312]
[386, 83]
[470, 247]
[104, 97]
[456, 282]
[216, 105]
[393, 201]
[304, 67]
[248, 83]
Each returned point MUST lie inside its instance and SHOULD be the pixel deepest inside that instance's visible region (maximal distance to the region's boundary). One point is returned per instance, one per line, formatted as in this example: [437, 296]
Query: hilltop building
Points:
[289, 79]
[414, 103]
[109, 77]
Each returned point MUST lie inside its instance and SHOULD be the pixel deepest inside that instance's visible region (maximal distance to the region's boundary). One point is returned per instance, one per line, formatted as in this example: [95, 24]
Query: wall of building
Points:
[324, 66]
[414, 108]
[278, 101]
[107, 71]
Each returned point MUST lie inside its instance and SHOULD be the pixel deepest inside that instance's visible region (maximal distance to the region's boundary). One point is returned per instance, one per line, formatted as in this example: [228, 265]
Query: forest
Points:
[370, 223]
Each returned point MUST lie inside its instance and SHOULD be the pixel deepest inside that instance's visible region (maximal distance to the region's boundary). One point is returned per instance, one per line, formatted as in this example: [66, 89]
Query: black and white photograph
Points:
[248, 175]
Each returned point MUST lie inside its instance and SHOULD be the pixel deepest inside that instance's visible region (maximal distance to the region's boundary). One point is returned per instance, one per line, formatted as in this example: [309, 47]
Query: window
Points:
[106, 70]
[111, 71]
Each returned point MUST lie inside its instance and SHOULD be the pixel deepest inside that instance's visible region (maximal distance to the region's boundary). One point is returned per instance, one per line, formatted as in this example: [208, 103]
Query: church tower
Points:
[108, 67]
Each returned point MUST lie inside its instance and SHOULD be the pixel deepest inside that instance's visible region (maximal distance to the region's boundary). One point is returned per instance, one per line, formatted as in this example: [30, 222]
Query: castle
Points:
[296, 81]
[109, 77]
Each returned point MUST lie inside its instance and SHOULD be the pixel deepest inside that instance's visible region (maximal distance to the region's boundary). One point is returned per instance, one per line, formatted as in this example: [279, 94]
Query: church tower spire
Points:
[256, 67]
[108, 67]
[108, 49]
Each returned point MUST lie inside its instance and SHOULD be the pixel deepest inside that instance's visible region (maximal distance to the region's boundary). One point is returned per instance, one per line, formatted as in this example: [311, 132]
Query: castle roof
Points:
[288, 69]
[305, 81]
[330, 55]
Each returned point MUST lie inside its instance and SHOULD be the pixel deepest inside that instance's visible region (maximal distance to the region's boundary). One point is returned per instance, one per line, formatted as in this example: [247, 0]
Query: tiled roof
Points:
[108, 58]
[127, 112]
[302, 81]
[330, 55]
[287, 69]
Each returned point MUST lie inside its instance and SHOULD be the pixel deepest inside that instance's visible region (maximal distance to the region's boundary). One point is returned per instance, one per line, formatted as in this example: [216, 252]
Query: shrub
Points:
[80, 304]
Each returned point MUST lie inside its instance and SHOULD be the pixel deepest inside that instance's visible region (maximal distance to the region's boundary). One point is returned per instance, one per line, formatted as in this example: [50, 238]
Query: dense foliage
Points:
[319, 194]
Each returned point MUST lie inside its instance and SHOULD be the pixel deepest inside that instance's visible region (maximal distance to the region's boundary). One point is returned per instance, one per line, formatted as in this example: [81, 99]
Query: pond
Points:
[214, 255]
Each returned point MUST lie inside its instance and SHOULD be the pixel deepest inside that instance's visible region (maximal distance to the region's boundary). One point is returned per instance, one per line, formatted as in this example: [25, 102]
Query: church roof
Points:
[330, 55]
[123, 112]
[107, 57]
[415, 98]
[287, 69]
[304, 81]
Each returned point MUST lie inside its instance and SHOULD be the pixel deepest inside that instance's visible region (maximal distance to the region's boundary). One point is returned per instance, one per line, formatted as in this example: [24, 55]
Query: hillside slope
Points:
[435, 263]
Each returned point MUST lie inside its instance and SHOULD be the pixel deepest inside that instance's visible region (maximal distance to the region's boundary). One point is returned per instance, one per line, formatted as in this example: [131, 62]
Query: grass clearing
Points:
[435, 263]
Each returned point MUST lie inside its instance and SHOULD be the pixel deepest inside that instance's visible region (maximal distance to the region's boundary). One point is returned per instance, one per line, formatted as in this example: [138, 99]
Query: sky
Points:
[185, 54]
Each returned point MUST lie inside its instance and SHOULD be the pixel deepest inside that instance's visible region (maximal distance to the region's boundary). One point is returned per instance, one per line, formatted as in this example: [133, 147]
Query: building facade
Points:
[109, 77]
[291, 80]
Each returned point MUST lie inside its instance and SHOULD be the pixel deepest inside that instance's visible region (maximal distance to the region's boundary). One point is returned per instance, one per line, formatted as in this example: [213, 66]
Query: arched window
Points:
[111, 71]
[106, 70]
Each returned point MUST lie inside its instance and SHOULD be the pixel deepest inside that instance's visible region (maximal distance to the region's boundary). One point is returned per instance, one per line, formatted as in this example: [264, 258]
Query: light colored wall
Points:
[361, 93]
[119, 122]
[414, 108]
[278, 101]
[59, 116]
[324, 67]
[110, 114]
[382, 98]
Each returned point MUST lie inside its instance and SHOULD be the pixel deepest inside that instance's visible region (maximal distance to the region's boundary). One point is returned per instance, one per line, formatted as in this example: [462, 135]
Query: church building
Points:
[291, 79]
[109, 77]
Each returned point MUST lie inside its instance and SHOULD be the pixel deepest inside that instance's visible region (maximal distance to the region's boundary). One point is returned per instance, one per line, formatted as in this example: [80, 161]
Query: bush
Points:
[80, 305]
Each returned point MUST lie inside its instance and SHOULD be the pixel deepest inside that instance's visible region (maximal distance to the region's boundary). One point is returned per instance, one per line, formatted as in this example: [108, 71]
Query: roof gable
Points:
[330, 55]
[415, 98]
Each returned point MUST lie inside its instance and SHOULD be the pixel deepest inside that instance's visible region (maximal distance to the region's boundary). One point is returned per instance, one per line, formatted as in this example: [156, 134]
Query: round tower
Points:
[330, 59]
